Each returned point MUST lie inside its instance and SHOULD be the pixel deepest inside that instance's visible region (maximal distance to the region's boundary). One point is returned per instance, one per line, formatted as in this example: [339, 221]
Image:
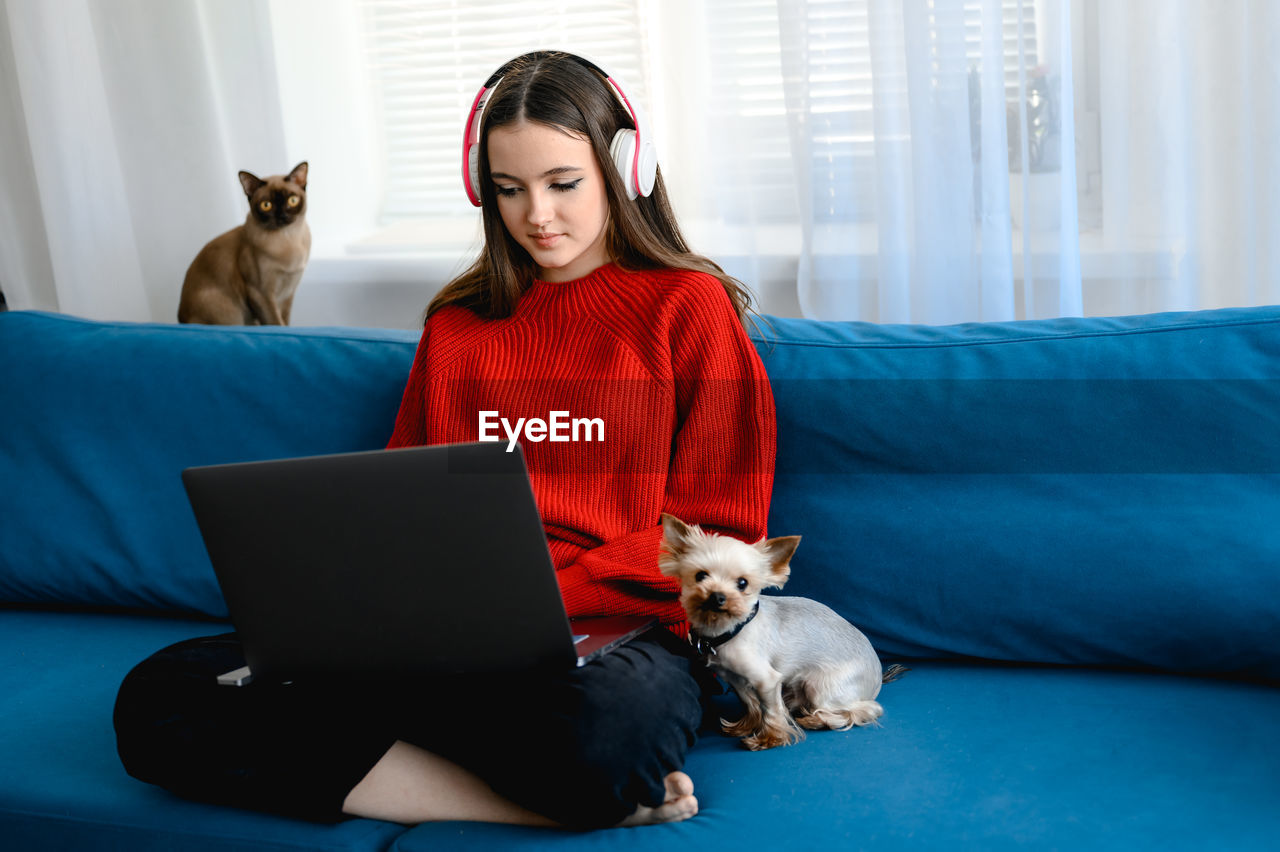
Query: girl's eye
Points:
[506, 191]
[566, 187]
[742, 584]
[700, 576]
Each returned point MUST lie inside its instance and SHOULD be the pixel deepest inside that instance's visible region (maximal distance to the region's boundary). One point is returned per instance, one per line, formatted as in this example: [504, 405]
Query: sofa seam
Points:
[810, 343]
[269, 331]
[286, 331]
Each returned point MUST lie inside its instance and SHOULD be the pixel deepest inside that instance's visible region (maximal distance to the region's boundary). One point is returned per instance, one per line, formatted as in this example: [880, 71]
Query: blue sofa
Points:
[1069, 528]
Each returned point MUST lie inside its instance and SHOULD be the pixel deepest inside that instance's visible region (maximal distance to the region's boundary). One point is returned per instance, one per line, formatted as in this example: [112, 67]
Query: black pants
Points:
[583, 746]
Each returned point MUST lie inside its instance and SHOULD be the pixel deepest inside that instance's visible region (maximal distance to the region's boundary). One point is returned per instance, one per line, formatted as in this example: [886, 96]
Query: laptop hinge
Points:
[236, 677]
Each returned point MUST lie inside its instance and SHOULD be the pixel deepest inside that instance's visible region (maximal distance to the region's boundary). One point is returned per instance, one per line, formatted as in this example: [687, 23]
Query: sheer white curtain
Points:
[908, 120]
[968, 160]
[887, 160]
[1190, 118]
[123, 126]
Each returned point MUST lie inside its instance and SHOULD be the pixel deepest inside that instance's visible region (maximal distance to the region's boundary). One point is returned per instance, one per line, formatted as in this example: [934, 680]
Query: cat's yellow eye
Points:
[294, 201]
[265, 206]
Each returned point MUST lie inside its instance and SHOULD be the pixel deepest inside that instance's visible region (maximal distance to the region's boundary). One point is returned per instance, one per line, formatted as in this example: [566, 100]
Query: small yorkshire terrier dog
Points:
[792, 661]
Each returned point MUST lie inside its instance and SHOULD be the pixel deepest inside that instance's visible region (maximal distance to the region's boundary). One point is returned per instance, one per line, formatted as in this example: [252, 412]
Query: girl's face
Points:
[552, 198]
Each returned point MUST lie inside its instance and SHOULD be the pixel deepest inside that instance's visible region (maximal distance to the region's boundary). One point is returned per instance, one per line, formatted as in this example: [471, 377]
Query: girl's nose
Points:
[540, 210]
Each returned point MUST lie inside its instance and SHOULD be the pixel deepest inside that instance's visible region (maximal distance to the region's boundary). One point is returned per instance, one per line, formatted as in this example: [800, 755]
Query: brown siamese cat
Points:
[248, 275]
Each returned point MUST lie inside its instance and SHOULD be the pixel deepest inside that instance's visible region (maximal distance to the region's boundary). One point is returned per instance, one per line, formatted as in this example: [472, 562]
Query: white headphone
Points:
[633, 151]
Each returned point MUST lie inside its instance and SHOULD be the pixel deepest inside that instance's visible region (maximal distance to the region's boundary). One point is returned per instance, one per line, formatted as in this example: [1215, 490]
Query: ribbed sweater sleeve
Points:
[411, 420]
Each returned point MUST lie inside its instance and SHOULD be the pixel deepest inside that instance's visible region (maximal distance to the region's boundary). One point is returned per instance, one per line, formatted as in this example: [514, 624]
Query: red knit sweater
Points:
[684, 420]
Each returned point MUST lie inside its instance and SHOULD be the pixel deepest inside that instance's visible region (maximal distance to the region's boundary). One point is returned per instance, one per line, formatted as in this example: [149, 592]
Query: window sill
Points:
[387, 278]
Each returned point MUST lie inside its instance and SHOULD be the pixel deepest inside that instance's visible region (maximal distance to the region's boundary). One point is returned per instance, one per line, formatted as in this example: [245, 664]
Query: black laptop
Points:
[390, 564]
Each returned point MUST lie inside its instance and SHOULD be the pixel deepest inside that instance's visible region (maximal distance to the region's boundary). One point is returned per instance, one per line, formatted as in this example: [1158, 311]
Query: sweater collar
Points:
[574, 297]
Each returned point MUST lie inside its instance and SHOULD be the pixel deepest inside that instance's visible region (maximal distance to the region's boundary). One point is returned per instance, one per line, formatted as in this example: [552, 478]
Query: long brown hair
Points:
[559, 90]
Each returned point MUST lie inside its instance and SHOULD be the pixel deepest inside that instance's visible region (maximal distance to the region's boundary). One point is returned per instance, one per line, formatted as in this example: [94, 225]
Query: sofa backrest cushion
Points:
[1095, 491]
[99, 419]
[1100, 491]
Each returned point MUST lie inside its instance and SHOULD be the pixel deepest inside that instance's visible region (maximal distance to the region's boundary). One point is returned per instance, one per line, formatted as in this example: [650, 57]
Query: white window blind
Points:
[749, 101]
[428, 59]
[755, 180]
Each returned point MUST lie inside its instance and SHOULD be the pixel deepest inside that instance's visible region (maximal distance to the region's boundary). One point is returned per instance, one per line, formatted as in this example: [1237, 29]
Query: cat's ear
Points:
[251, 183]
[299, 175]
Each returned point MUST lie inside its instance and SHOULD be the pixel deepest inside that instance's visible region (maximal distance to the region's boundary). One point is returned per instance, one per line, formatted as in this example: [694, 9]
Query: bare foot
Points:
[680, 803]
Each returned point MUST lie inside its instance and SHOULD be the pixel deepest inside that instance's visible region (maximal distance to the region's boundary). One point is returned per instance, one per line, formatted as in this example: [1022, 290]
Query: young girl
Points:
[585, 299]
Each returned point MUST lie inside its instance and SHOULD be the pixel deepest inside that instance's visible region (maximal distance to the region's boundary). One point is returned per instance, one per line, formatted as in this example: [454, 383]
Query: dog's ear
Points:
[778, 552]
[677, 536]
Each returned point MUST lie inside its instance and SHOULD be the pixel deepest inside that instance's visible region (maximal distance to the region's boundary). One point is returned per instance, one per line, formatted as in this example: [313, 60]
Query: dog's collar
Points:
[705, 646]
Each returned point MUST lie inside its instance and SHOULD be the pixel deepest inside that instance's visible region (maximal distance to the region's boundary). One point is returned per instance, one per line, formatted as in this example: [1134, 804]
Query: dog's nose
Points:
[714, 602]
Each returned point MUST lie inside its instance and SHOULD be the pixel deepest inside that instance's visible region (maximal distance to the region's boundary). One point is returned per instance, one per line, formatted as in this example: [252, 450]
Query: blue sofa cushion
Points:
[91, 464]
[61, 782]
[979, 757]
[1098, 491]
[967, 756]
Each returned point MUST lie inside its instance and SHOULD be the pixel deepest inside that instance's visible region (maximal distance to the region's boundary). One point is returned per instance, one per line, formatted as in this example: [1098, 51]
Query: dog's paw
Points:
[860, 713]
[763, 740]
[813, 722]
[863, 713]
[771, 737]
[745, 726]
[752, 720]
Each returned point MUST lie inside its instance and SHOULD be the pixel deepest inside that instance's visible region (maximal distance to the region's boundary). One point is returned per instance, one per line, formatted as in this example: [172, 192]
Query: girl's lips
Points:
[546, 240]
